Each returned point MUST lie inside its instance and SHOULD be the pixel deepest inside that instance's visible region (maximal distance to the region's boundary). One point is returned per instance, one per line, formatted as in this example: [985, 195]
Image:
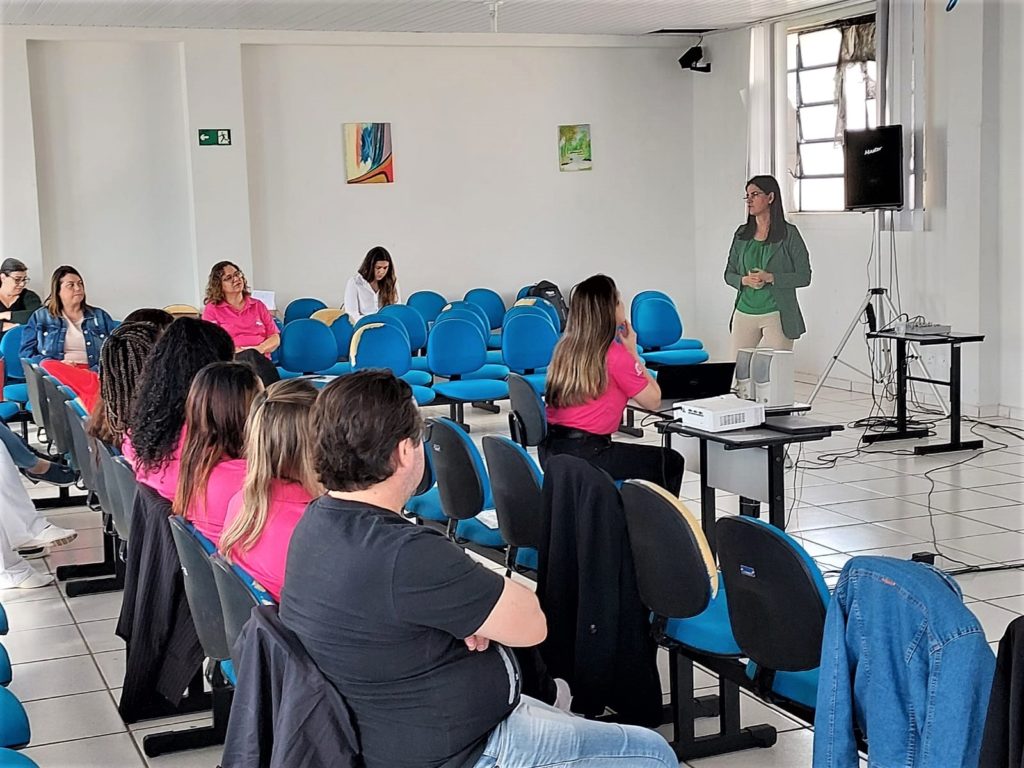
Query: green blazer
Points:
[789, 264]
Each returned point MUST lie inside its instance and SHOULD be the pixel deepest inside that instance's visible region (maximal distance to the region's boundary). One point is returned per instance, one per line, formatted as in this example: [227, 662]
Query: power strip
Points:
[921, 328]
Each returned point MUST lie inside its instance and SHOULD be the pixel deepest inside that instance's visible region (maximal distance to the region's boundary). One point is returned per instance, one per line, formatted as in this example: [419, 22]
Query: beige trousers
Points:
[758, 330]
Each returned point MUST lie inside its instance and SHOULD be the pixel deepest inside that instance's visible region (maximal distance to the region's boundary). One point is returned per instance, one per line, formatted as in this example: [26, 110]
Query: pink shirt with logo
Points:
[163, 481]
[208, 512]
[603, 414]
[249, 326]
[266, 561]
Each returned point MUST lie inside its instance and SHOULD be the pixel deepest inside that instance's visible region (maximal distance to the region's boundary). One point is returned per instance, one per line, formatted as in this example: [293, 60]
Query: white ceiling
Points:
[628, 17]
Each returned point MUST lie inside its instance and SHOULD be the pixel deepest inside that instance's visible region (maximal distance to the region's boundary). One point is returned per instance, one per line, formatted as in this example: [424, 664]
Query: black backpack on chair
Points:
[545, 289]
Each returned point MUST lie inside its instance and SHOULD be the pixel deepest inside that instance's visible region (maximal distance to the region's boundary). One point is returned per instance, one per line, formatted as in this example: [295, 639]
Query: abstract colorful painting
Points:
[574, 147]
[368, 158]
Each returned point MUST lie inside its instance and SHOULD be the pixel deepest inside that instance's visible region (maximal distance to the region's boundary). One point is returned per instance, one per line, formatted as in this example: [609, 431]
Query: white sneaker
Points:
[35, 580]
[51, 536]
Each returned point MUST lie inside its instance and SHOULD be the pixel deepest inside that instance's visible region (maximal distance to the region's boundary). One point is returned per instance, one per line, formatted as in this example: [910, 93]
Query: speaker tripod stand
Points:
[875, 302]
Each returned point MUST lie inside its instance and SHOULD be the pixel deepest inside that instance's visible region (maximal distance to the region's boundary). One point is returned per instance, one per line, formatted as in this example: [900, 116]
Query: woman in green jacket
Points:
[768, 261]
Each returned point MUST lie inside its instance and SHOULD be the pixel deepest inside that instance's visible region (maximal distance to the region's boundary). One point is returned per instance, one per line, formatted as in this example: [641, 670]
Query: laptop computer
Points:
[692, 382]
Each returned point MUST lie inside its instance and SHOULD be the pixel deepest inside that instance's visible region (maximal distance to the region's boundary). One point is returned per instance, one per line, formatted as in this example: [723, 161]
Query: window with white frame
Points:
[831, 74]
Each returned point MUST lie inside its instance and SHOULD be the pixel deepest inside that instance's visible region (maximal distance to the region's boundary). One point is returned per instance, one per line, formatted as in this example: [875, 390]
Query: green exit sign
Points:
[214, 137]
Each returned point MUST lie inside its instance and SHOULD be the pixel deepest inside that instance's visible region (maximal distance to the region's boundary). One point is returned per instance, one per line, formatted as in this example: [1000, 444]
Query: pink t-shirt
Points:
[249, 326]
[208, 513]
[164, 481]
[266, 561]
[603, 414]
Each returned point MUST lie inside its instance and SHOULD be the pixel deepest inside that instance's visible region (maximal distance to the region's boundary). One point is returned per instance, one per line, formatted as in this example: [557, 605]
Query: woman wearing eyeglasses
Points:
[230, 305]
[17, 302]
[66, 328]
[768, 261]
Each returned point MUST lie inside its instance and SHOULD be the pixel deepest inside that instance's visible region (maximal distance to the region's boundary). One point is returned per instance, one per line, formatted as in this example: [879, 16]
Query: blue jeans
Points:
[536, 735]
[23, 457]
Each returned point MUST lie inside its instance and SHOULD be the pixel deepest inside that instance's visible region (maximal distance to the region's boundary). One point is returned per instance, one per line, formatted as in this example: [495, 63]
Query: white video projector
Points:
[719, 414]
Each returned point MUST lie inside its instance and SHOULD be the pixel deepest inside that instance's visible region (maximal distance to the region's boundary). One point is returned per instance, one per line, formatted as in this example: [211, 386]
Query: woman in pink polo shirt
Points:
[247, 320]
[281, 480]
[212, 467]
[594, 371]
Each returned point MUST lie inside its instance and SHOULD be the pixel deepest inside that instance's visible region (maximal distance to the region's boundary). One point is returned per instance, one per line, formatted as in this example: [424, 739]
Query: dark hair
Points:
[360, 420]
[12, 265]
[122, 359]
[53, 302]
[777, 228]
[387, 294]
[158, 414]
[215, 413]
[157, 317]
[214, 286]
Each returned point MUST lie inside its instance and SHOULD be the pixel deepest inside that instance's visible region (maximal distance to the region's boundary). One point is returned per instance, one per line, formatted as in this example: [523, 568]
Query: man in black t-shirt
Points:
[411, 630]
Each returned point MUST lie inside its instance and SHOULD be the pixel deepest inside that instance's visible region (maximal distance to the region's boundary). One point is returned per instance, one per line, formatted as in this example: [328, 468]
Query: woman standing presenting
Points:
[373, 287]
[768, 261]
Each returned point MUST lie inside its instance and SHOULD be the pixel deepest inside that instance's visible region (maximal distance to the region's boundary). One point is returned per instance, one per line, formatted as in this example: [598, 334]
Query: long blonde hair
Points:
[278, 446]
[578, 373]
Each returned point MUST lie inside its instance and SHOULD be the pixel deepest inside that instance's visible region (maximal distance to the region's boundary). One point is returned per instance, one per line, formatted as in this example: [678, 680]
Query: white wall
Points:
[478, 197]
[110, 160]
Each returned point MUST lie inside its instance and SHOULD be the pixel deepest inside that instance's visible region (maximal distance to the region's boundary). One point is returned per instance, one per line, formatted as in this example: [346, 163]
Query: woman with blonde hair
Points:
[280, 481]
[594, 372]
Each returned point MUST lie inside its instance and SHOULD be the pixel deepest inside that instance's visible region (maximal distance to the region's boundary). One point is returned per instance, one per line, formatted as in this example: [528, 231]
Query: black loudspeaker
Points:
[874, 168]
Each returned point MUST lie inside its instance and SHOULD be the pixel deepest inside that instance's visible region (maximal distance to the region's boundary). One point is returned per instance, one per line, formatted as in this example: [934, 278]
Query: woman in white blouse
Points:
[374, 286]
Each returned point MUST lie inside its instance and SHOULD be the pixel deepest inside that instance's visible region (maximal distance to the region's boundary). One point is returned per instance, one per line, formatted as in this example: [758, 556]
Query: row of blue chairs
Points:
[15, 731]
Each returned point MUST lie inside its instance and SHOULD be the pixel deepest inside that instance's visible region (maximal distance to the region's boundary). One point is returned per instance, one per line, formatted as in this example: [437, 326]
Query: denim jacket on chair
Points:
[43, 335]
[906, 662]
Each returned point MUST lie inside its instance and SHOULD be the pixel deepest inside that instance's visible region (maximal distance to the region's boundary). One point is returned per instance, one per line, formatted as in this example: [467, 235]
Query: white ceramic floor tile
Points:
[966, 476]
[106, 605]
[41, 644]
[64, 556]
[78, 520]
[986, 586]
[993, 619]
[1014, 491]
[809, 518]
[830, 495]
[56, 677]
[793, 749]
[9, 597]
[946, 526]
[112, 666]
[878, 510]
[115, 751]
[38, 614]
[1006, 546]
[960, 500]
[956, 559]
[855, 538]
[850, 473]
[901, 485]
[73, 717]
[100, 637]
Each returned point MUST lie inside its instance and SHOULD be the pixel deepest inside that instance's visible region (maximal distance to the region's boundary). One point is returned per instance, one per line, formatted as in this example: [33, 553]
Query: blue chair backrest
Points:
[547, 306]
[527, 309]
[476, 309]
[342, 330]
[4, 626]
[656, 323]
[428, 303]
[308, 346]
[462, 481]
[376, 345]
[527, 342]
[455, 347]
[645, 295]
[777, 595]
[524, 292]
[490, 302]
[301, 309]
[415, 325]
[381, 319]
[14, 726]
[10, 345]
[462, 313]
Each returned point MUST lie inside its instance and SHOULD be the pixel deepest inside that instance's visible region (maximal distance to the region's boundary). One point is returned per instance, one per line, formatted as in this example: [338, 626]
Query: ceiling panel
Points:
[628, 17]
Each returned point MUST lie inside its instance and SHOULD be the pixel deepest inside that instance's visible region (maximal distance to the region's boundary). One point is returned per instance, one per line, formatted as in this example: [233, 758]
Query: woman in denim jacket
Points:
[66, 328]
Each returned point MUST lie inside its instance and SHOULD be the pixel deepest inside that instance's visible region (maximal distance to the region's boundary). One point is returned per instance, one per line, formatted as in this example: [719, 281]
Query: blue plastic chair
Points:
[428, 303]
[527, 343]
[524, 292]
[778, 602]
[379, 345]
[516, 483]
[14, 729]
[414, 376]
[680, 584]
[644, 295]
[342, 330]
[661, 317]
[4, 626]
[301, 309]
[492, 368]
[415, 325]
[308, 346]
[547, 306]
[455, 348]
[15, 405]
[658, 326]
[490, 302]
[5, 667]
[11, 759]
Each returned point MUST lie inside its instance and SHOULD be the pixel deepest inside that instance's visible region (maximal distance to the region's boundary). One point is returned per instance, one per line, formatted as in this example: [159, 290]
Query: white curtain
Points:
[760, 124]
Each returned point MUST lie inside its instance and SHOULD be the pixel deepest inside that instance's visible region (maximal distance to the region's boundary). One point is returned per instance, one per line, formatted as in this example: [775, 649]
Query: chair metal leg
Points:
[64, 499]
[457, 413]
[112, 583]
[487, 405]
[195, 738]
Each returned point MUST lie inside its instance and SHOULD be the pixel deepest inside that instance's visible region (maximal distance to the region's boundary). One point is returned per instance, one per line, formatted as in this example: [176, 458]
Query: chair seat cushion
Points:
[472, 391]
[16, 393]
[5, 667]
[427, 506]
[338, 369]
[419, 364]
[14, 730]
[488, 371]
[287, 374]
[709, 631]
[10, 410]
[423, 395]
[417, 378]
[685, 344]
[494, 357]
[538, 381]
[676, 357]
[527, 557]
[228, 670]
[801, 687]
[11, 759]
[479, 532]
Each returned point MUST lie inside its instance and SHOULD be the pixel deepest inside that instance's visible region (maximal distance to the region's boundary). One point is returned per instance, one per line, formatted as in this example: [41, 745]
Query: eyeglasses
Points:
[753, 196]
[19, 280]
[232, 276]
